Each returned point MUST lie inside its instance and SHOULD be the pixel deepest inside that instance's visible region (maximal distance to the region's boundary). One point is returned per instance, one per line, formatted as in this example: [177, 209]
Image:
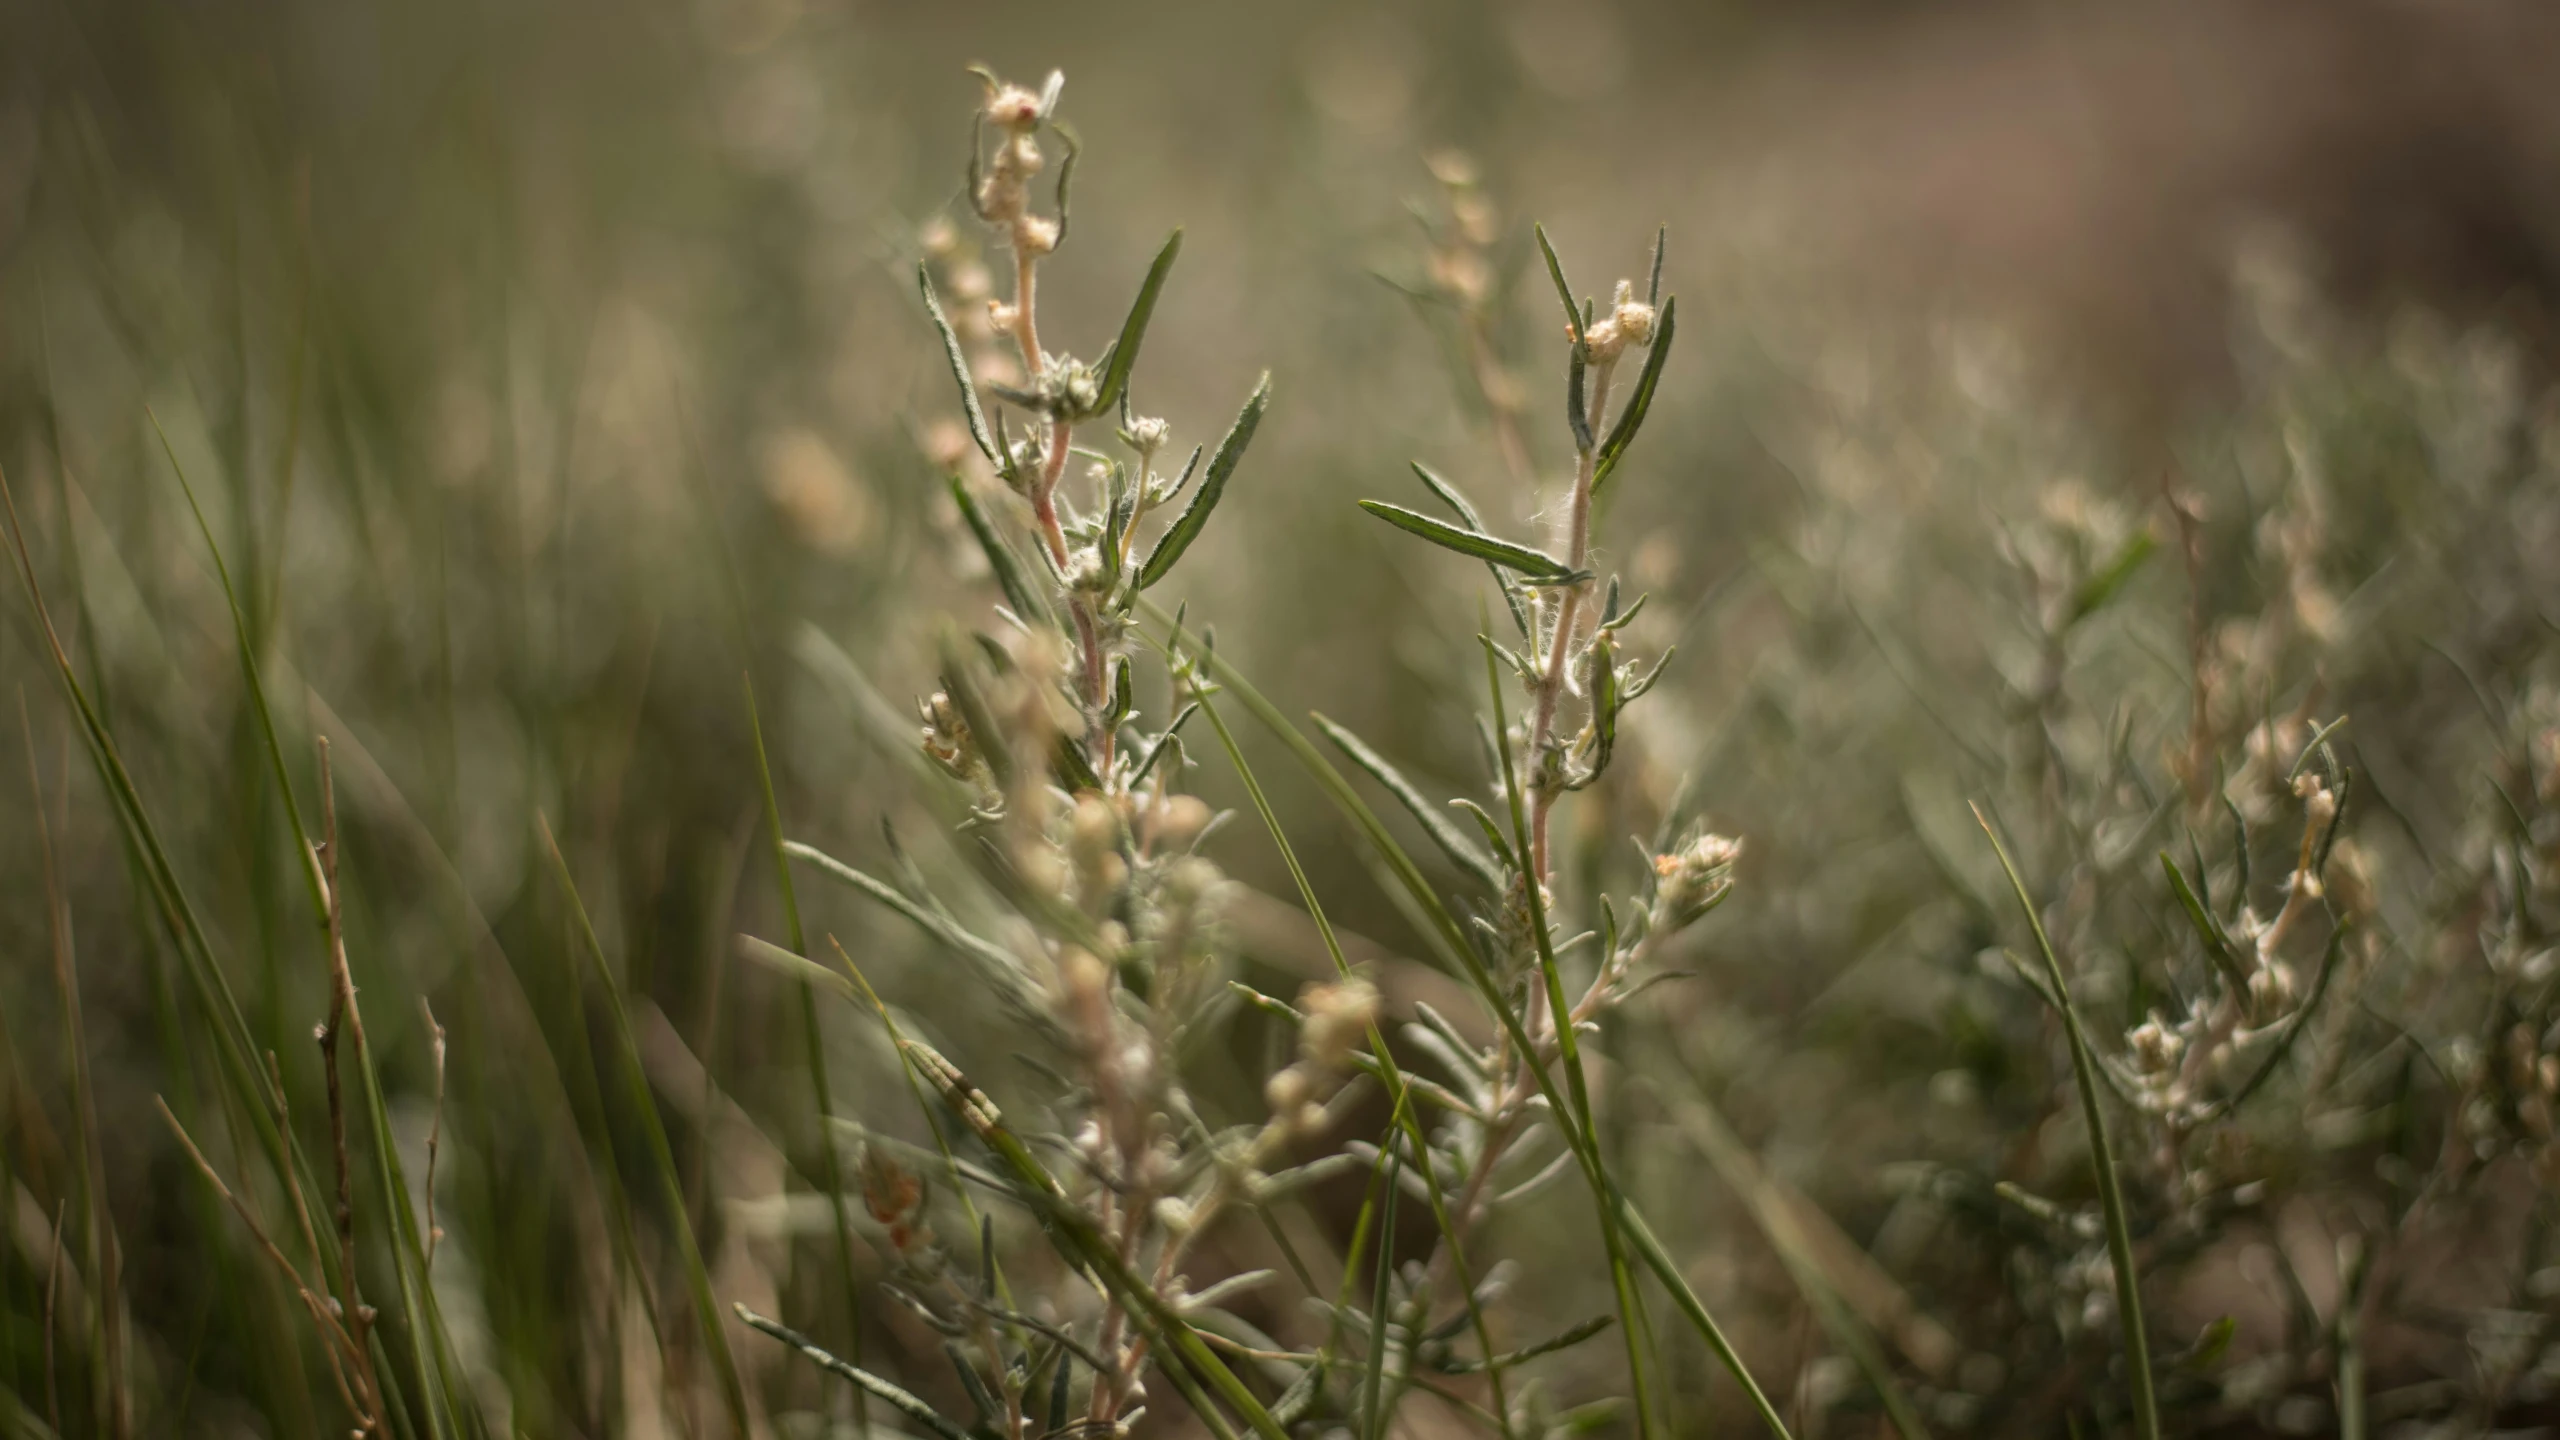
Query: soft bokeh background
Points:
[543, 368]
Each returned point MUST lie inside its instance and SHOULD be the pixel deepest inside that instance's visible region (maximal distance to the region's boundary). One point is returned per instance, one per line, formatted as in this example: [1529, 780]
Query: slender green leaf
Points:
[941, 928]
[635, 1083]
[812, 1042]
[2217, 945]
[2103, 584]
[1195, 516]
[1402, 1114]
[1564, 292]
[969, 405]
[2137, 1343]
[1434, 819]
[1512, 598]
[1011, 578]
[1631, 419]
[1536, 564]
[1133, 330]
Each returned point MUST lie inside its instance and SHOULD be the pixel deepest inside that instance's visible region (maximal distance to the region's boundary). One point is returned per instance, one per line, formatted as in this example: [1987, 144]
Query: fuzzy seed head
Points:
[1176, 822]
[1338, 1019]
[2155, 1046]
[1012, 109]
[1634, 317]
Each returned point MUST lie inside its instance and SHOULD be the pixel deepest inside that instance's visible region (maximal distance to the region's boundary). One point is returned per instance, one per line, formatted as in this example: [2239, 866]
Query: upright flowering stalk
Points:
[1568, 657]
[1114, 957]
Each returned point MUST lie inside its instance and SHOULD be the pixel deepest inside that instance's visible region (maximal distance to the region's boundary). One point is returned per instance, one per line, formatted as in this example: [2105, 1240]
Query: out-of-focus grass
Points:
[541, 370]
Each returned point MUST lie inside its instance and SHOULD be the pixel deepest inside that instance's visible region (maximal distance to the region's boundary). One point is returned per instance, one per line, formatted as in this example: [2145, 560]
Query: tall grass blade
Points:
[644, 1108]
[2084, 1065]
[812, 1041]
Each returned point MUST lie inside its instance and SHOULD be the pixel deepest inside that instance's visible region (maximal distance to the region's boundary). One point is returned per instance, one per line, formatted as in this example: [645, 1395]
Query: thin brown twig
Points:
[335, 1341]
[300, 1206]
[342, 1017]
[435, 1125]
[104, 1259]
[52, 1294]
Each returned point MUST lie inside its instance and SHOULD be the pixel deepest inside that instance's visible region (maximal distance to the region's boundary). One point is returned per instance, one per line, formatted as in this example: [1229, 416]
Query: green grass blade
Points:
[1381, 1303]
[249, 675]
[715, 1337]
[812, 1041]
[1435, 821]
[424, 1333]
[1399, 1095]
[1724, 1150]
[2137, 1344]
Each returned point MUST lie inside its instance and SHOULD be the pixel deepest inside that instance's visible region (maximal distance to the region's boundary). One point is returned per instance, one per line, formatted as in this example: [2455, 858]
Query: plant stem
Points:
[1550, 687]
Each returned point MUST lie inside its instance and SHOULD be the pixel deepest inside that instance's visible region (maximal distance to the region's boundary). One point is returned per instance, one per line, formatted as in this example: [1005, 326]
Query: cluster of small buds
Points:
[2267, 754]
[2319, 802]
[1184, 907]
[1459, 266]
[1004, 195]
[1147, 434]
[1093, 850]
[2155, 1047]
[947, 741]
[1169, 821]
[1690, 880]
[1338, 1018]
[1629, 322]
[2273, 989]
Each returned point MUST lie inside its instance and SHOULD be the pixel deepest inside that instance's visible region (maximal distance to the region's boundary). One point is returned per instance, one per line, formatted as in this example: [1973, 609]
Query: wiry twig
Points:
[435, 1126]
[52, 1296]
[336, 1343]
[343, 1016]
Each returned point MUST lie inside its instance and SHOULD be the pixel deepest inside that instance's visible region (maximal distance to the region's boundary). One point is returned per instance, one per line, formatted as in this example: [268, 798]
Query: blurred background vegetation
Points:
[544, 368]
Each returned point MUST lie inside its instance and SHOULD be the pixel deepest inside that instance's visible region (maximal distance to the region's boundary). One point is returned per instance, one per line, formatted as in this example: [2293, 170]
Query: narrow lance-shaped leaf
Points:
[1213, 484]
[2084, 1066]
[1451, 496]
[1631, 419]
[2111, 577]
[1537, 564]
[1435, 823]
[1006, 565]
[2217, 945]
[1133, 330]
[959, 370]
[1577, 397]
[1564, 292]
[1066, 172]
